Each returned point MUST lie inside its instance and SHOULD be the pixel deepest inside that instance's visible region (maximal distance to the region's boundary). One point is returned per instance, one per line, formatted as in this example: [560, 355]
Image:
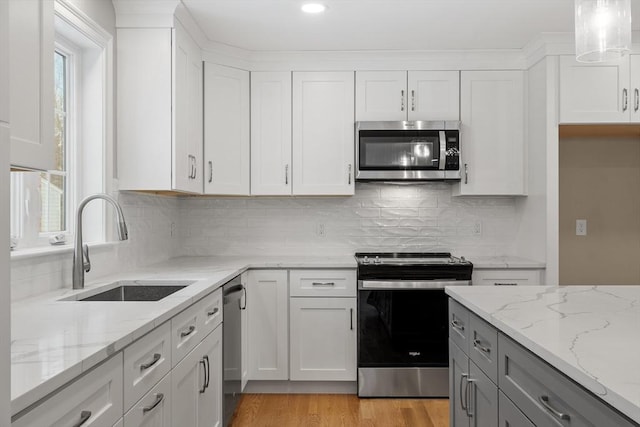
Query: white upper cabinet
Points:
[402, 95]
[634, 88]
[271, 133]
[323, 133]
[597, 93]
[226, 130]
[31, 36]
[159, 110]
[492, 133]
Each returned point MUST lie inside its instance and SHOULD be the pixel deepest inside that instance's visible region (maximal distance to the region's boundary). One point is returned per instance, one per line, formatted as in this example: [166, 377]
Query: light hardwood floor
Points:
[333, 410]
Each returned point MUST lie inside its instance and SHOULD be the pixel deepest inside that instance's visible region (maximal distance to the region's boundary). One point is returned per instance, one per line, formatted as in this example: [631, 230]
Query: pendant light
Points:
[603, 29]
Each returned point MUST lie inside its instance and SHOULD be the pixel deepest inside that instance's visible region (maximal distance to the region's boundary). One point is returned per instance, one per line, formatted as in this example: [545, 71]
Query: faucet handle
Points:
[86, 262]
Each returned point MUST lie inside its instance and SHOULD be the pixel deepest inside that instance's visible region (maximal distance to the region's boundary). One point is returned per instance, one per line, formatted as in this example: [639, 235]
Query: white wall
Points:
[379, 217]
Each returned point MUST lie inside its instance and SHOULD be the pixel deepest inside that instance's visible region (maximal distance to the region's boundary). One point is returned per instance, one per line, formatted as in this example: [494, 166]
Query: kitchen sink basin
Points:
[132, 290]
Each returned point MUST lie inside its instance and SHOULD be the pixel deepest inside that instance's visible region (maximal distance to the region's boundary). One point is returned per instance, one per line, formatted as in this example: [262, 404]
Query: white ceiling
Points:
[280, 25]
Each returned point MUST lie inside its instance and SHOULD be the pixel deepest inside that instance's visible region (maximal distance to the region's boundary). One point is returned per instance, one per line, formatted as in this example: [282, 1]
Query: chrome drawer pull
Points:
[476, 344]
[467, 392]
[84, 417]
[323, 284]
[462, 399]
[456, 325]
[159, 398]
[156, 358]
[504, 284]
[544, 400]
[212, 312]
[187, 332]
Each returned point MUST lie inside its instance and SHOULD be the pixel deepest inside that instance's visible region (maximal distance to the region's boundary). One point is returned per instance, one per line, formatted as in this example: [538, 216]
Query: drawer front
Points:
[146, 361]
[154, 409]
[186, 333]
[322, 283]
[459, 325]
[483, 346]
[210, 314]
[509, 415]
[546, 396]
[95, 398]
[507, 277]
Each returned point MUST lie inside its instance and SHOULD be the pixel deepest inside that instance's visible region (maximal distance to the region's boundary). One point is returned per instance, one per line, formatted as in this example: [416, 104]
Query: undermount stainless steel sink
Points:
[132, 290]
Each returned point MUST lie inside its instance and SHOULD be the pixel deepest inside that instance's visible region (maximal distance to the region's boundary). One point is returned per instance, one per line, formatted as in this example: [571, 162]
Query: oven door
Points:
[402, 328]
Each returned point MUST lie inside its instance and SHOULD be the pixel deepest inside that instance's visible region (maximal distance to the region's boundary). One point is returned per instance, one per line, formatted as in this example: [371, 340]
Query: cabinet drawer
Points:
[483, 346]
[322, 283]
[507, 277]
[186, 333]
[146, 361]
[210, 314]
[96, 397]
[459, 325]
[509, 415]
[545, 395]
[154, 409]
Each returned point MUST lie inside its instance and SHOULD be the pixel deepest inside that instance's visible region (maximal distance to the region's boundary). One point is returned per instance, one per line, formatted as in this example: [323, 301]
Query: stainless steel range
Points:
[402, 322]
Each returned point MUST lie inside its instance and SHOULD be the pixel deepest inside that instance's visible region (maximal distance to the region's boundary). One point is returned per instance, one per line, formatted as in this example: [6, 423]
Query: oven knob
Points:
[365, 260]
[377, 260]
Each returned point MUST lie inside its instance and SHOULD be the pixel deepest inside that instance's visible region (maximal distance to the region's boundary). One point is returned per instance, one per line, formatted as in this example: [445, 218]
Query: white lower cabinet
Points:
[93, 400]
[268, 324]
[196, 385]
[508, 277]
[154, 409]
[323, 339]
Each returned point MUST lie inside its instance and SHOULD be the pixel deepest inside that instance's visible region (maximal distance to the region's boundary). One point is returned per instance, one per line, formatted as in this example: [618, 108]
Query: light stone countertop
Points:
[506, 261]
[54, 341]
[590, 333]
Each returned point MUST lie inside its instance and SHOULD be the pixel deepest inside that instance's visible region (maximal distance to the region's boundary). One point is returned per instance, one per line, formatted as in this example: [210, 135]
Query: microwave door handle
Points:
[443, 150]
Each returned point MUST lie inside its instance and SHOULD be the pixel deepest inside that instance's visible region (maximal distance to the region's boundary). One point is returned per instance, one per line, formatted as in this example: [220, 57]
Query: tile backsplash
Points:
[379, 218]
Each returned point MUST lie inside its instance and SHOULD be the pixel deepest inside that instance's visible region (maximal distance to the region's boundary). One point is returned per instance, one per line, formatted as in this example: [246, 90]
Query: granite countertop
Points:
[54, 341]
[590, 333]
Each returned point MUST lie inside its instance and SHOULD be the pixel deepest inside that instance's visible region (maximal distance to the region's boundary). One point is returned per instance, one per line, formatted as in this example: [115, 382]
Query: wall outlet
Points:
[581, 227]
[320, 231]
[477, 228]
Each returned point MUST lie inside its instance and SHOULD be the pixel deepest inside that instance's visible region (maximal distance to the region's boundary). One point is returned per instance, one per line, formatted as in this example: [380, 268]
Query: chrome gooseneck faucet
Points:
[81, 262]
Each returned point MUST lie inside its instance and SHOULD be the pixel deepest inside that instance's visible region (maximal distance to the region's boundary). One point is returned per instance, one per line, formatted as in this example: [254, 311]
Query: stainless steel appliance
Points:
[233, 302]
[407, 151]
[402, 322]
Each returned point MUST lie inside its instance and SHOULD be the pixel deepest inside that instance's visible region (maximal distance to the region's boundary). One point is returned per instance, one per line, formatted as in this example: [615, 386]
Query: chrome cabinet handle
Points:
[159, 398]
[457, 325]
[286, 174]
[544, 400]
[323, 284]
[402, 100]
[504, 284]
[187, 332]
[156, 358]
[636, 98]
[349, 171]
[244, 293]
[208, 376]
[413, 100]
[351, 317]
[466, 174]
[213, 312]
[204, 369]
[210, 171]
[84, 417]
[467, 393]
[462, 399]
[625, 99]
[477, 344]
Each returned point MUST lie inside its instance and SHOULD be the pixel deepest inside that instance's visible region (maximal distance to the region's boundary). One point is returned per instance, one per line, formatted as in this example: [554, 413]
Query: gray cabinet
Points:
[509, 415]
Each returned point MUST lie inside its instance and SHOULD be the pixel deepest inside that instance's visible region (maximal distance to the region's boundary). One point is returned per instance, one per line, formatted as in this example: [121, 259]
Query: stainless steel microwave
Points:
[407, 151]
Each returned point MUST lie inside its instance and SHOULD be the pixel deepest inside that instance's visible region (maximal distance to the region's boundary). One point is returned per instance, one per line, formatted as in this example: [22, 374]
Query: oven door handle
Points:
[407, 284]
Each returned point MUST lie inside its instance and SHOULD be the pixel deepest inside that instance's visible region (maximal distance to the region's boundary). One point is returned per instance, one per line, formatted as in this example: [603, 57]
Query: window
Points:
[43, 203]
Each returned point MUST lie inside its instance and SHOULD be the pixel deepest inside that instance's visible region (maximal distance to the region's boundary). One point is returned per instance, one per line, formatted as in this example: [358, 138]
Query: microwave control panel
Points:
[452, 160]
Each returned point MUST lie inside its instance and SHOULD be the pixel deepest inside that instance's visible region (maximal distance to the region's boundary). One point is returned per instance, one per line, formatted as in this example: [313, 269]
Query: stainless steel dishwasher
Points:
[233, 293]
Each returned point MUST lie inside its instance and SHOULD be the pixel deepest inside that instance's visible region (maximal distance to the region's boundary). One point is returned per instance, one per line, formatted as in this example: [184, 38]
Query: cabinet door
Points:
[483, 399]
[323, 339]
[323, 133]
[381, 95]
[509, 415]
[187, 112]
[271, 133]
[31, 113]
[268, 323]
[226, 130]
[4, 65]
[492, 134]
[594, 93]
[458, 373]
[154, 409]
[244, 329]
[433, 95]
[634, 88]
[210, 402]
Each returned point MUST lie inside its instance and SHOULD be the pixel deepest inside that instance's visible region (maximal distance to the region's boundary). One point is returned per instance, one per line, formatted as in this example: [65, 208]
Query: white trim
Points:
[145, 13]
[81, 21]
[42, 251]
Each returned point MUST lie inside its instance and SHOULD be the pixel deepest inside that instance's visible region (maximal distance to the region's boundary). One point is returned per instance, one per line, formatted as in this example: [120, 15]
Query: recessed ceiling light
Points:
[313, 8]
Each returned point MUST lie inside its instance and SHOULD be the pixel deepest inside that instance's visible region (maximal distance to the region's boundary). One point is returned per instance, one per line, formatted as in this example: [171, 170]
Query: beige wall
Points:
[600, 182]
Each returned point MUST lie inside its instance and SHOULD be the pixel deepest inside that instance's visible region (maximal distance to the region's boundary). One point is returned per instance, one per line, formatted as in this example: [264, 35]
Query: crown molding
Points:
[145, 13]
